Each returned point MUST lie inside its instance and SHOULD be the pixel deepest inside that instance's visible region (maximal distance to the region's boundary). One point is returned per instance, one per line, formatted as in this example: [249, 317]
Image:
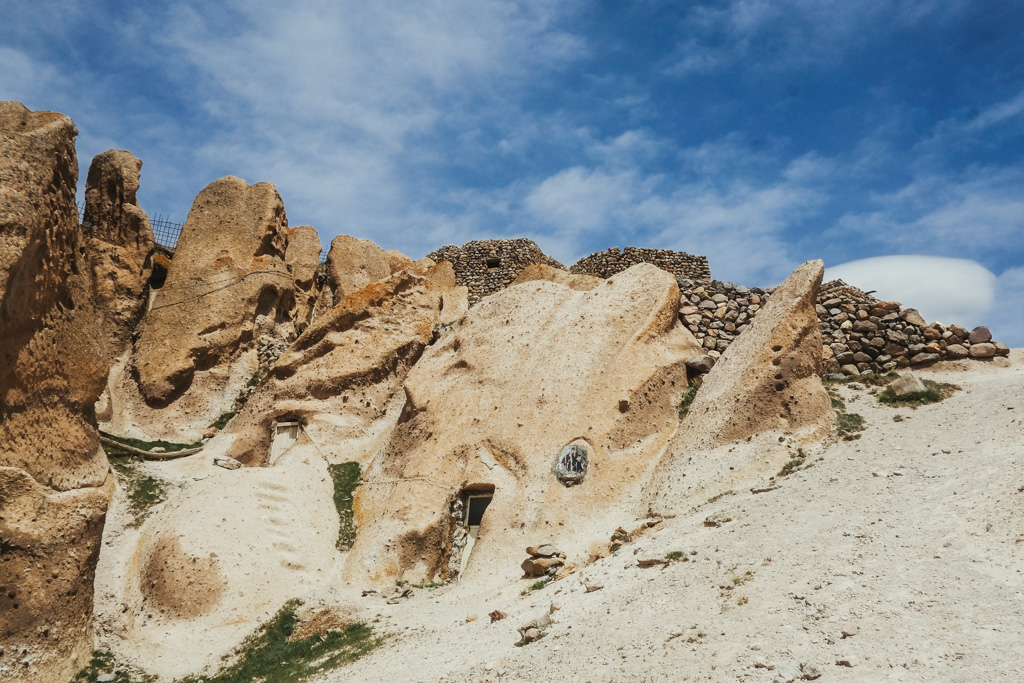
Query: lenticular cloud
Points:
[948, 290]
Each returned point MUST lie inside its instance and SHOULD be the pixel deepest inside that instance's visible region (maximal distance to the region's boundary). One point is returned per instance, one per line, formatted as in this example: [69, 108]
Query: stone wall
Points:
[859, 332]
[486, 266]
[611, 261]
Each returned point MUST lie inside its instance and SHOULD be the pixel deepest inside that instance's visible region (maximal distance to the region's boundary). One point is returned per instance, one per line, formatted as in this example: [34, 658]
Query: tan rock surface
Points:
[228, 290]
[120, 242]
[303, 259]
[766, 385]
[492, 404]
[542, 271]
[341, 375]
[222, 555]
[53, 362]
[352, 264]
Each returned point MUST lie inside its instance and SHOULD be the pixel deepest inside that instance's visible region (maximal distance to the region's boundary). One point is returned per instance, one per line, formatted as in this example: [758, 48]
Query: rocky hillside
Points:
[240, 464]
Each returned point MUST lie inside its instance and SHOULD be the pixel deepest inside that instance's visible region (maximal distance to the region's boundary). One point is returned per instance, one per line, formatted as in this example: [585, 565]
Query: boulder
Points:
[542, 271]
[531, 380]
[980, 335]
[765, 385]
[956, 351]
[54, 484]
[912, 316]
[923, 358]
[228, 292]
[701, 364]
[982, 350]
[303, 260]
[1001, 349]
[120, 242]
[907, 384]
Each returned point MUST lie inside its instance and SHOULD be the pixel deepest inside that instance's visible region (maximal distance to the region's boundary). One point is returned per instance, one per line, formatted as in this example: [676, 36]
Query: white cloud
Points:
[980, 215]
[1008, 314]
[948, 290]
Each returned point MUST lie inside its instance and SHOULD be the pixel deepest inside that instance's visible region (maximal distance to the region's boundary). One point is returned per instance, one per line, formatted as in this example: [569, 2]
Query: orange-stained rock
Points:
[352, 264]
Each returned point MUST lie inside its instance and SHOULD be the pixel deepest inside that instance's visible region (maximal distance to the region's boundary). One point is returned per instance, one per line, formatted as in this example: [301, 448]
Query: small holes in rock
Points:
[776, 348]
[779, 386]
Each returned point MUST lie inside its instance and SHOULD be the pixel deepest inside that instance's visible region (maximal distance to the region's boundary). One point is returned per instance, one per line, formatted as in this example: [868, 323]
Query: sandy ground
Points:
[910, 538]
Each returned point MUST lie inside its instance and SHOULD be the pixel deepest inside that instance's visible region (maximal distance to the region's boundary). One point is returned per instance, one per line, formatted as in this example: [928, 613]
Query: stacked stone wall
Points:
[486, 266]
[859, 332]
[611, 261]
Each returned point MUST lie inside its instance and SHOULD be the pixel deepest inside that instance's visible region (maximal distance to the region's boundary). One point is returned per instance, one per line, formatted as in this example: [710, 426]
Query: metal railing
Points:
[165, 231]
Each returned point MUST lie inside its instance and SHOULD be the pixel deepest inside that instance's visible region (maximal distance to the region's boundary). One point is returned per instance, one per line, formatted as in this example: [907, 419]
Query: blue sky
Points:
[758, 133]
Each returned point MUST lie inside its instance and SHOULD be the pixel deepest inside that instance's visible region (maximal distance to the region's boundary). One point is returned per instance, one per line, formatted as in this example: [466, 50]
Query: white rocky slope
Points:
[910, 538]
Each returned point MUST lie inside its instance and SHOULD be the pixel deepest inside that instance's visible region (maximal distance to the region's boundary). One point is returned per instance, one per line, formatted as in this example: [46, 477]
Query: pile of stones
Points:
[862, 334]
[717, 312]
[544, 560]
[611, 261]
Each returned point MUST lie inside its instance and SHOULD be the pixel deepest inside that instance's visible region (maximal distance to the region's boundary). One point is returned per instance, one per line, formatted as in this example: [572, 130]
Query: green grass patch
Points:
[254, 380]
[168, 446]
[933, 393]
[222, 421]
[677, 556]
[103, 662]
[143, 491]
[794, 464]
[346, 478]
[269, 656]
[537, 585]
[688, 398]
[847, 424]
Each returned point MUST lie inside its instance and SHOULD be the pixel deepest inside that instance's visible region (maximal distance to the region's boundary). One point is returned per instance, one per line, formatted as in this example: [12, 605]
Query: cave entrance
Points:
[473, 507]
[283, 436]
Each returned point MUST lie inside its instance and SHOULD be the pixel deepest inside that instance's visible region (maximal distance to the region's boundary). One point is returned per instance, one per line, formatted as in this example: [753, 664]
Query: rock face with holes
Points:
[342, 376]
[54, 484]
[494, 402]
[303, 259]
[765, 389]
[228, 291]
[120, 242]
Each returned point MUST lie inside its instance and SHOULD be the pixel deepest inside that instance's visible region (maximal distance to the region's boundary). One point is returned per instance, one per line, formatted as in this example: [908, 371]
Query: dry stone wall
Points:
[486, 266]
[859, 332]
[611, 261]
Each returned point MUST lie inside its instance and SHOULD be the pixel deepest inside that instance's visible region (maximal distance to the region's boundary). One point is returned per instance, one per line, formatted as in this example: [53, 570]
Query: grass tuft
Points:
[143, 491]
[537, 585]
[677, 556]
[103, 662]
[346, 478]
[222, 421]
[688, 398]
[933, 393]
[269, 656]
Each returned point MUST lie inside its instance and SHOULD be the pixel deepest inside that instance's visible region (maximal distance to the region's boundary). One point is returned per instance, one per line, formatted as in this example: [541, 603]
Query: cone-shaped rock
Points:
[303, 258]
[227, 292]
[351, 264]
[765, 386]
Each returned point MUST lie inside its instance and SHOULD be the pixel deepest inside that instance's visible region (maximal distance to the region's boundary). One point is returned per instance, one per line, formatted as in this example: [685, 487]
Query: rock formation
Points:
[553, 401]
[53, 475]
[542, 271]
[120, 242]
[341, 375]
[352, 264]
[303, 259]
[767, 386]
[228, 290]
